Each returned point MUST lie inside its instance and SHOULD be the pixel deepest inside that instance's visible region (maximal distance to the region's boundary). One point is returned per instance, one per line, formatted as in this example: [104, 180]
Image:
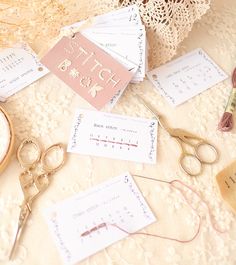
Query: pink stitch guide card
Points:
[87, 69]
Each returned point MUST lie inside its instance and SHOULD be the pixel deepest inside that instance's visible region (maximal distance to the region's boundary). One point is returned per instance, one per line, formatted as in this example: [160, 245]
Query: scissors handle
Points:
[32, 183]
[188, 169]
[51, 169]
[27, 164]
[202, 159]
[198, 158]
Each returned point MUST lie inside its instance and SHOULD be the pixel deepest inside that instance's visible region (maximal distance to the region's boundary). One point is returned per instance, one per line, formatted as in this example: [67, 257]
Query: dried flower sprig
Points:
[33, 20]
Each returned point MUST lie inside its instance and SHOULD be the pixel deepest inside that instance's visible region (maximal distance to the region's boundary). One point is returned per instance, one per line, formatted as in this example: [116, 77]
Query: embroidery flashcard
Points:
[19, 67]
[117, 201]
[186, 77]
[114, 136]
[130, 42]
[119, 33]
[86, 68]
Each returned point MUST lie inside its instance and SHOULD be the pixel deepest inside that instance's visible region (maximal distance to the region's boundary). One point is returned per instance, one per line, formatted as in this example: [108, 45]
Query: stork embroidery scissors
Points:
[185, 138]
[32, 183]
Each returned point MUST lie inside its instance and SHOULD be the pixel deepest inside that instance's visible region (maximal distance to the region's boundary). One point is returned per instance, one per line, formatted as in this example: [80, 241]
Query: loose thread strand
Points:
[172, 184]
[204, 202]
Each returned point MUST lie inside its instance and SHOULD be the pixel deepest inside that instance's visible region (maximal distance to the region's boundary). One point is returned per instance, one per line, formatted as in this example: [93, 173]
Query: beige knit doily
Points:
[37, 21]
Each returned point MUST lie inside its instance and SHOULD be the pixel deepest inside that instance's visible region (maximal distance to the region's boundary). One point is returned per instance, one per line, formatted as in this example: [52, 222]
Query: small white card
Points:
[19, 67]
[186, 77]
[117, 201]
[114, 136]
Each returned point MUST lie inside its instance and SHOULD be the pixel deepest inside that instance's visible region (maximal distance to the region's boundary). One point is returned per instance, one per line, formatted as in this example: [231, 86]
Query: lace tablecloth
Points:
[45, 110]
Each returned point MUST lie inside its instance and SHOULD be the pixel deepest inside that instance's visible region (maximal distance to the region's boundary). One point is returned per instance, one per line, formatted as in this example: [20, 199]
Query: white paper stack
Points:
[122, 35]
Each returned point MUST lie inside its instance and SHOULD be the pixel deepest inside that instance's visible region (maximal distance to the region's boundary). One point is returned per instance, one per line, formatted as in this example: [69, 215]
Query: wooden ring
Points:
[6, 159]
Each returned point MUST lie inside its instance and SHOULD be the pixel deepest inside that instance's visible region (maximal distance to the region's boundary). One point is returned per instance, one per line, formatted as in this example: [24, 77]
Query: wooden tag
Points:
[226, 181]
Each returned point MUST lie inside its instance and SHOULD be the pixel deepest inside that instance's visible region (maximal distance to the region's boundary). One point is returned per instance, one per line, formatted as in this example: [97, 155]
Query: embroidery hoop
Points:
[5, 160]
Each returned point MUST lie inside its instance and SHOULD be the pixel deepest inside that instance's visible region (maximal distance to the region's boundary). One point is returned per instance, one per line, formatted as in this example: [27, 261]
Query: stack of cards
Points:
[101, 56]
[122, 35]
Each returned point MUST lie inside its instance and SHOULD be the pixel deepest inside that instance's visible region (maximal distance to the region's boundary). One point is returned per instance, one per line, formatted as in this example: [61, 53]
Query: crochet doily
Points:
[167, 21]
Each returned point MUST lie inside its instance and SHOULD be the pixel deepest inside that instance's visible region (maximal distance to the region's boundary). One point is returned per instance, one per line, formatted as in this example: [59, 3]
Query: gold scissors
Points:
[32, 183]
[185, 138]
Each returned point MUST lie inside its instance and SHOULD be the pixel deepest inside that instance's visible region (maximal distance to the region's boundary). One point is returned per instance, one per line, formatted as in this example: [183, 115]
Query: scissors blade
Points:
[24, 214]
[153, 111]
[185, 136]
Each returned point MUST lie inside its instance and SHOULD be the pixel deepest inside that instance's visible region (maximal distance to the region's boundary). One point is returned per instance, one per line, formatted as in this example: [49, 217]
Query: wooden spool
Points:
[4, 160]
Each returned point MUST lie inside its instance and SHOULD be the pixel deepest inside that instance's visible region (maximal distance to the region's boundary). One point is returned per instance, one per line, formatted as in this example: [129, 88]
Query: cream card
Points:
[114, 136]
[130, 42]
[19, 67]
[117, 201]
[126, 16]
[186, 76]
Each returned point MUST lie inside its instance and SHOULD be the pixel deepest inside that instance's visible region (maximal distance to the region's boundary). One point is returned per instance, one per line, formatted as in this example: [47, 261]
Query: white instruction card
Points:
[19, 67]
[114, 136]
[186, 77]
[91, 221]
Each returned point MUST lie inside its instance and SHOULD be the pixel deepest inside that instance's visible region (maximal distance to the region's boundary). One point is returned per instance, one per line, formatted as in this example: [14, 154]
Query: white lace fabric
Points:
[45, 110]
[168, 22]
